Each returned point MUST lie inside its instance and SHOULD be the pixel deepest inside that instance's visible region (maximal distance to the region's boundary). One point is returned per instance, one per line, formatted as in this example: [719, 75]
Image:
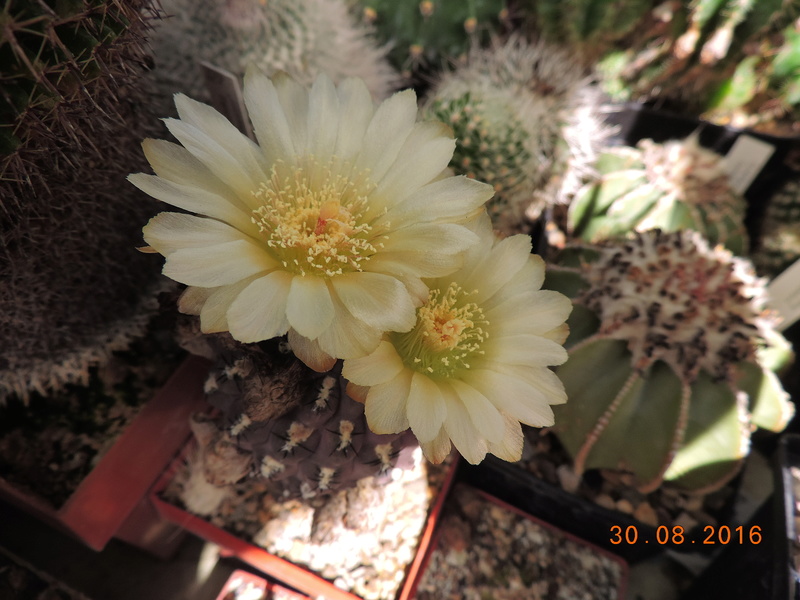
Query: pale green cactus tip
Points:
[672, 186]
[525, 121]
[432, 33]
[780, 231]
[670, 358]
[300, 37]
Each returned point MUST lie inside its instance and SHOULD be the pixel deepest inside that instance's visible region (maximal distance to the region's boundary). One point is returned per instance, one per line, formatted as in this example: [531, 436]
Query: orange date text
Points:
[677, 536]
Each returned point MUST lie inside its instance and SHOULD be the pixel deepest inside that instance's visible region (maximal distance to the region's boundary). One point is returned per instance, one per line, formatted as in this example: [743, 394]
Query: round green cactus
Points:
[672, 186]
[524, 117]
[780, 231]
[670, 360]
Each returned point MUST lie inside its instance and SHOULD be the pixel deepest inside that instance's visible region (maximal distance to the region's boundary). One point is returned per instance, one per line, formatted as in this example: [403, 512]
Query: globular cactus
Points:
[525, 120]
[688, 49]
[672, 186]
[432, 32]
[670, 358]
[780, 231]
[301, 37]
[72, 286]
[288, 425]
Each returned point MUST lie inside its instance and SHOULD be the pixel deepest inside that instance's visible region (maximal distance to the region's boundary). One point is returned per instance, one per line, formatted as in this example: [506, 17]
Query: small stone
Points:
[686, 521]
[606, 501]
[646, 514]
[568, 479]
[624, 506]
[693, 503]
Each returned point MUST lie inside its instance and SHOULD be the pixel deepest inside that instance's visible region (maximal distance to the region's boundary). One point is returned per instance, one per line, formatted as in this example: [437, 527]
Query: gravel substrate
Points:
[485, 551]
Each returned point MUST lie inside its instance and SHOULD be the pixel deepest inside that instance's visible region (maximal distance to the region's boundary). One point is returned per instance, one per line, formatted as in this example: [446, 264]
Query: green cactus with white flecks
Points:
[780, 231]
[300, 37]
[432, 33]
[671, 359]
[295, 428]
[525, 121]
[672, 186]
[72, 104]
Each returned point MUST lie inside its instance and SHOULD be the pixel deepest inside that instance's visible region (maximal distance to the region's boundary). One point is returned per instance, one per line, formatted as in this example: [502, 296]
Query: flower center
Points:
[312, 218]
[448, 334]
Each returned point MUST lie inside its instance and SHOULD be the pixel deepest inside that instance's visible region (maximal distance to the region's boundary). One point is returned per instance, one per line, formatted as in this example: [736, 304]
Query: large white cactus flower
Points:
[323, 229]
[475, 364]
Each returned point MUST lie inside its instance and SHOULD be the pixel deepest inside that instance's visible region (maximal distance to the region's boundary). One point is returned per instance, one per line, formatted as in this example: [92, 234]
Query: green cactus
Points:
[432, 32]
[671, 360]
[672, 186]
[524, 117]
[780, 231]
[295, 428]
[72, 286]
[300, 37]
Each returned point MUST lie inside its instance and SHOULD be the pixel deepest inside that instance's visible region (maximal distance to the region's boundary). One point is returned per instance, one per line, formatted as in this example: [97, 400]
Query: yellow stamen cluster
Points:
[449, 332]
[312, 218]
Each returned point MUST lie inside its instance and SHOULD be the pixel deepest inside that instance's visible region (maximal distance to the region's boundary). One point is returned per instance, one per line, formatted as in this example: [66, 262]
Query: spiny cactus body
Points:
[523, 115]
[72, 286]
[780, 232]
[303, 38]
[432, 32]
[295, 428]
[672, 186]
[670, 355]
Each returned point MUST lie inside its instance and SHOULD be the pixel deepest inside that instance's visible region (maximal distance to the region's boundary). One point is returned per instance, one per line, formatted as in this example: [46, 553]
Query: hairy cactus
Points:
[672, 186]
[283, 422]
[524, 118]
[780, 231]
[432, 32]
[670, 362]
[72, 286]
[301, 37]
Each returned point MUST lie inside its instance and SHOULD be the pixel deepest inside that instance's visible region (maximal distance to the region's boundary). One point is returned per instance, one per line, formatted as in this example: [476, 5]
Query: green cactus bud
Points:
[672, 186]
[300, 37]
[666, 376]
[72, 107]
[780, 231]
[523, 115]
[432, 32]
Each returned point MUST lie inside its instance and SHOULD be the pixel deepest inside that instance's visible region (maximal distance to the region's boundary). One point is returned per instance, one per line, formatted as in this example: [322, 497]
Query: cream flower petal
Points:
[294, 100]
[513, 396]
[426, 408]
[193, 199]
[168, 232]
[385, 407]
[527, 280]
[526, 349]
[449, 199]
[550, 307]
[259, 312]
[415, 264]
[378, 367]
[323, 117]
[438, 449]
[461, 430]
[541, 378]
[269, 121]
[485, 416]
[387, 132]
[503, 263]
[358, 108]
[221, 264]
[510, 446]
[214, 314]
[242, 149]
[192, 299]
[441, 238]
[310, 307]
[371, 308]
[216, 158]
[310, 353]
[348, 337]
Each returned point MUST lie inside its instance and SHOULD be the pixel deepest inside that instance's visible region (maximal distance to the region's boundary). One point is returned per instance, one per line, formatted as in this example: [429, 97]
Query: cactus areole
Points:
[669, 354]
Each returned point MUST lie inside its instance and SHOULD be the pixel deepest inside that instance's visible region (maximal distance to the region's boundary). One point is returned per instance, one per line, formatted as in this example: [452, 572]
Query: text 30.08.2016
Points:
[677, 536]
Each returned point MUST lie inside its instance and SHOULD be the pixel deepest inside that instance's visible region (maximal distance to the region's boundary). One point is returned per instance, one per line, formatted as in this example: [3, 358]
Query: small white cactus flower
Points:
[475, 365]
[324, 229]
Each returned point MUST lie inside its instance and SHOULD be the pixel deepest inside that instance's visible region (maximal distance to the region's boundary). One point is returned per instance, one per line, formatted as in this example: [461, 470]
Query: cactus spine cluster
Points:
[524, 118]
[300, 37]
[672, 186]
[780, 232]
[71, 109]
[669, 360]
[295, 428]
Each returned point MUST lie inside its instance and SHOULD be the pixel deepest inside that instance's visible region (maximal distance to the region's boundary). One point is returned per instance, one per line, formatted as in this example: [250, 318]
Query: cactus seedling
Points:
[672, 186]
[670, 360]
